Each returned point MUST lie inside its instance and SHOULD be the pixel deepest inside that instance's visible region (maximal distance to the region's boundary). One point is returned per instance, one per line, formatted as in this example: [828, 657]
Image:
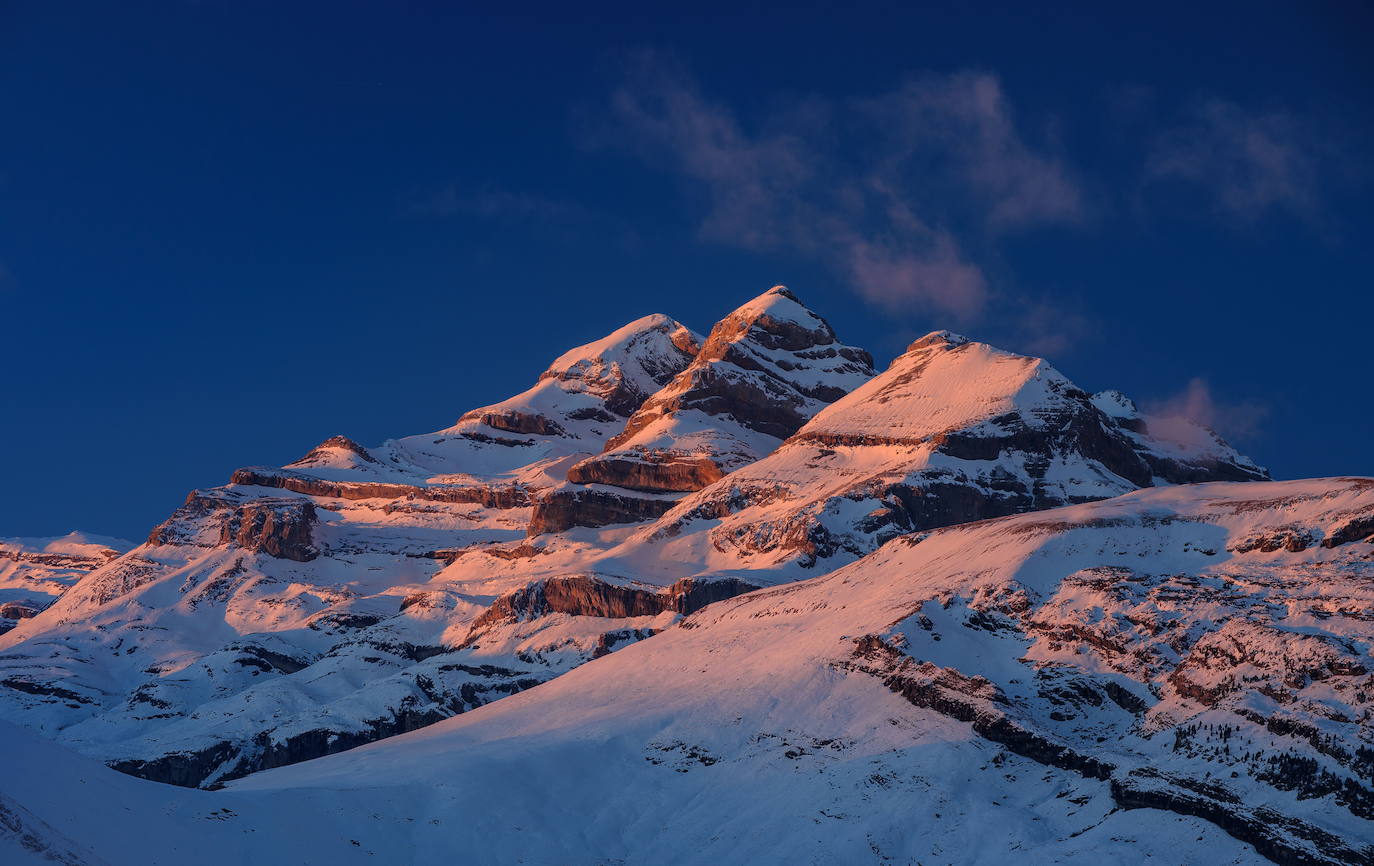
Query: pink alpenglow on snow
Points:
[742, 579]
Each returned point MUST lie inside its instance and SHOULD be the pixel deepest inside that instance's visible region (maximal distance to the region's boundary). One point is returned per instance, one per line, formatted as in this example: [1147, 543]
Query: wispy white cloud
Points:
[936, 277]
[958, 131]
[1249, 162]
[1195, 403]
[942, 163]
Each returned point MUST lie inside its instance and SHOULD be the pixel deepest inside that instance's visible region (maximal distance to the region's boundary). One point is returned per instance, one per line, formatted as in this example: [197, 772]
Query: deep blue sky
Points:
[229, 229]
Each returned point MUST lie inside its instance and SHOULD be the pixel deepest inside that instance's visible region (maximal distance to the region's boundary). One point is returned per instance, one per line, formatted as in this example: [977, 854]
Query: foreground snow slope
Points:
[1177, 675]
[59, 807]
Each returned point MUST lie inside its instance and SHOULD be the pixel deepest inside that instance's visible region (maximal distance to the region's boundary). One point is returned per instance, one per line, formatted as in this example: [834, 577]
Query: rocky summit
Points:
[749, 563]
[762, 373]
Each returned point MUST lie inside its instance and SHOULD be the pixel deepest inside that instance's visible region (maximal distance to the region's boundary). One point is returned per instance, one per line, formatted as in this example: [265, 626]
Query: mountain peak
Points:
[772, 350]
[778, 301]
[947, 339]
[620, 345]
[930, 390]
[579, 400]
[621, 369]
[954, 430]
[777, 319]
[763, 372]
[336, 451]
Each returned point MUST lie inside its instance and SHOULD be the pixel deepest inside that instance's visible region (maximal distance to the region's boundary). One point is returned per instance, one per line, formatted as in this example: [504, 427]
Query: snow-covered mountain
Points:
[1177, 675]
[284, 615]
[362, 592]
[34, 572]
[952, 431]
[501, 455]
[762, 373]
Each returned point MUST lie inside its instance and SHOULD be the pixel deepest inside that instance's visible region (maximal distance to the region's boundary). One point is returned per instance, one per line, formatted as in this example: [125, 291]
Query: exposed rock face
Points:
[280, 528]
[589, 595]
[669, 474]
[571, 505]
[1359, 527]
[11, 612]
[577, 595]
[514, 421]
[15, 610]
[953, 431]
[691, 594]
[486, 495]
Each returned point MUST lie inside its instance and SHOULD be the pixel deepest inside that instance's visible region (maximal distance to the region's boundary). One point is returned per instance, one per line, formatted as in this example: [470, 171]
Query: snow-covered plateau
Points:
[733, 598]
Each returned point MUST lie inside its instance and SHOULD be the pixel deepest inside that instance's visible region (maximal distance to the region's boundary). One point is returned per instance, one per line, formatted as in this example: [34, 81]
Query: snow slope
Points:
[1176, 675]
[1171, 651]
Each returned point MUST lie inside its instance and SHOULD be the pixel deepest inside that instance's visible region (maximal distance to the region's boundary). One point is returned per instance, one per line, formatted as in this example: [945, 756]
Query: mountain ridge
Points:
[361, 592]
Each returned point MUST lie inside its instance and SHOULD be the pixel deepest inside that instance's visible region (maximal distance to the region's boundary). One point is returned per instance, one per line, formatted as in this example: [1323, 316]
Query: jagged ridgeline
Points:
[361, 592]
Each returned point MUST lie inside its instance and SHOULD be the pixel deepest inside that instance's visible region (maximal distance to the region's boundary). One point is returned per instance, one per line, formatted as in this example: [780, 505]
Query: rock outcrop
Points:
[667, 473]
[591, 595]
[281, 528]
[500, 495]
[572, 505]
